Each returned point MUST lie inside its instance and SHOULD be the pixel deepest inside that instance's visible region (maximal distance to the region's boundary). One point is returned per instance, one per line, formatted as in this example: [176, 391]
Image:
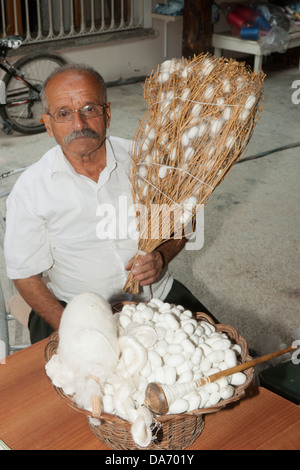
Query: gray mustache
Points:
[90, 133]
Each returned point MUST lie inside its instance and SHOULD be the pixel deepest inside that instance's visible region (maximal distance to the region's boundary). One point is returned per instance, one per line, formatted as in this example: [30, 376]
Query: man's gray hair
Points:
[80, 68]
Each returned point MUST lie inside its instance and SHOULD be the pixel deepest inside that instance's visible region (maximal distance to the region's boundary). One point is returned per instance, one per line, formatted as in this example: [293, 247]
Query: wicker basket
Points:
[171, 432]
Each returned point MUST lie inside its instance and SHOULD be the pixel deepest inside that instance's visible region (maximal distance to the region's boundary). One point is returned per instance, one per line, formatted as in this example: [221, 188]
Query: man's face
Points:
[72, 90]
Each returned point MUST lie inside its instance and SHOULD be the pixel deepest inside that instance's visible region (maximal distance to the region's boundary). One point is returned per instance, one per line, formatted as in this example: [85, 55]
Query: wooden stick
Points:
[97, 406]
[243, 366]
[159, 397]
[96, 400]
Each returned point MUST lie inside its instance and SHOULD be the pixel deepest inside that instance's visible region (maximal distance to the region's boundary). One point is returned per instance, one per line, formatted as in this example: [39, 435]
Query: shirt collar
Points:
[110, 156]
[61, 164]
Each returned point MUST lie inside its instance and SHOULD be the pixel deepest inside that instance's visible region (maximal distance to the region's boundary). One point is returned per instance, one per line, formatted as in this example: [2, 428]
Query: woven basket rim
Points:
[52, 345]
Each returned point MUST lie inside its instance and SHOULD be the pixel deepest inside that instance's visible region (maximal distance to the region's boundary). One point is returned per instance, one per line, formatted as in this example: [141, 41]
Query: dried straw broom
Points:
[201, 115]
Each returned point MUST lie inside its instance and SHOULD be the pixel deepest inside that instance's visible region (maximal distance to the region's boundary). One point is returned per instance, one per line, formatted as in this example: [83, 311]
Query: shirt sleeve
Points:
[26, 246]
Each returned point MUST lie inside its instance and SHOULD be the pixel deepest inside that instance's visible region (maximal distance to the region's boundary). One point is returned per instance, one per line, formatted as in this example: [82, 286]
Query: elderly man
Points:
[54, 210]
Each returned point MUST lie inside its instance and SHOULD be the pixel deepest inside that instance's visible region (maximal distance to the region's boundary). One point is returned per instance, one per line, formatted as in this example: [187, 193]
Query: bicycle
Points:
[21, 110]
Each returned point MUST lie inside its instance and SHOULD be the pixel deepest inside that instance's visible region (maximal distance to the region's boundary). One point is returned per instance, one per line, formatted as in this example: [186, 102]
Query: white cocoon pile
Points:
[88, 342]
[184, 351]
[88, 350]
[116, 356]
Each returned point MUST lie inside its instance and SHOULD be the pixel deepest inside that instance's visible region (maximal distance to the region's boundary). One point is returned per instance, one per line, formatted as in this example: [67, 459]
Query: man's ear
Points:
[107, 115]
[47, 121]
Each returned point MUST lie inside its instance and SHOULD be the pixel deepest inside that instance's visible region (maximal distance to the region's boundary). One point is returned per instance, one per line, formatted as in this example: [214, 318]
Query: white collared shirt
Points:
[76, 229]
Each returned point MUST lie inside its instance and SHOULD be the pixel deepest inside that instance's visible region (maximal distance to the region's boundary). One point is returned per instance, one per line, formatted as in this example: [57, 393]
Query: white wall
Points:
[126, 59]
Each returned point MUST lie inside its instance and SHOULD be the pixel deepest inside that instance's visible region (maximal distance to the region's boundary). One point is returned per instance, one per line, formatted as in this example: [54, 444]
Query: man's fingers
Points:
[129, 264]
[148, 268]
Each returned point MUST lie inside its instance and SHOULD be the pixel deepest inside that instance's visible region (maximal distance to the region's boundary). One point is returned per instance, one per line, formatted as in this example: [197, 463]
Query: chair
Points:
[12, 306]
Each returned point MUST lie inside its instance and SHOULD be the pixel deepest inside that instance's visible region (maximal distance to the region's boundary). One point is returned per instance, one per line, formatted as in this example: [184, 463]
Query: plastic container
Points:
[235, 20]
[251, 33]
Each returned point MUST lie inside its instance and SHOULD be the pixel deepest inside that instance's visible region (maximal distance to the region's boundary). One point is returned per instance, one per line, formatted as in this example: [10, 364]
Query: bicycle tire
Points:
[26, 117]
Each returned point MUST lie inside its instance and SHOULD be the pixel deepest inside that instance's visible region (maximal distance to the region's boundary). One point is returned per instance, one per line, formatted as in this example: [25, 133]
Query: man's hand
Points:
[147, 269]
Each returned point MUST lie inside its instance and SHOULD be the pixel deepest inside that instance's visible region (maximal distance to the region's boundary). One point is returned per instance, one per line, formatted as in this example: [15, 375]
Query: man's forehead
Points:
[74, 83]
[76, 77]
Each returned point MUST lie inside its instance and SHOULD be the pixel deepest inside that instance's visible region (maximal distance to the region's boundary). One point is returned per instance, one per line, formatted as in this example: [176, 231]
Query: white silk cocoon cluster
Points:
[114, 358]
[201, 115]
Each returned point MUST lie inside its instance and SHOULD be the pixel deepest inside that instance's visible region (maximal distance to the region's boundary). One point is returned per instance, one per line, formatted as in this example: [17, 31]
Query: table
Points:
[34, 417]
[226, 41]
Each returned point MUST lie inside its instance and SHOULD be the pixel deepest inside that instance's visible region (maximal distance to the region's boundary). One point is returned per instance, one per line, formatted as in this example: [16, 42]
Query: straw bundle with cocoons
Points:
[201, 115]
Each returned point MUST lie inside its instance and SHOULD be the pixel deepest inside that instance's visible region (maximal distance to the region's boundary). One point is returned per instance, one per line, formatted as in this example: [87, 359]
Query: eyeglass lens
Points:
[89, 111]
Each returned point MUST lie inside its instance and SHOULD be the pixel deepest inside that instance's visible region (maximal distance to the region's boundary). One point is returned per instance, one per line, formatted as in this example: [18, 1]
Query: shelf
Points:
[167, 18]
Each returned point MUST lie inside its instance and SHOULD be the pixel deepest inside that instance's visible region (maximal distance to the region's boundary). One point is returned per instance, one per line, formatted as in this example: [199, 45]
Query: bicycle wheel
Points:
[23, 105]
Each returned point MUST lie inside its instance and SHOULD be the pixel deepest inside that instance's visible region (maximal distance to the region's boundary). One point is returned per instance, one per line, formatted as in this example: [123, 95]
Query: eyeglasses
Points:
[87, 112]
